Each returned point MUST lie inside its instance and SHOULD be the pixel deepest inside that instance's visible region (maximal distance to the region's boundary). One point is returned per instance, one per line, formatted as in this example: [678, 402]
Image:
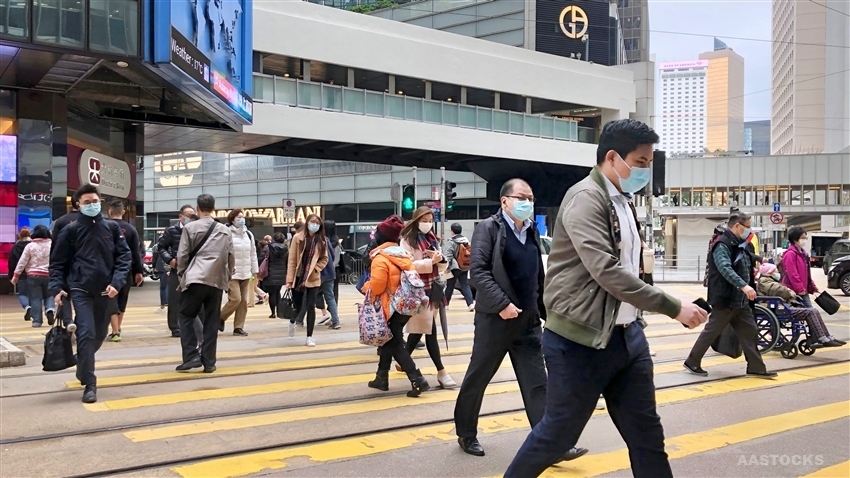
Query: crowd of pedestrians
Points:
[584, 314]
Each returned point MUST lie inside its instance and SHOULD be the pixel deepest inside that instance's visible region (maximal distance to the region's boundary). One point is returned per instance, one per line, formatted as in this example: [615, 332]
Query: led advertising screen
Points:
[8, 158]
[561, 25]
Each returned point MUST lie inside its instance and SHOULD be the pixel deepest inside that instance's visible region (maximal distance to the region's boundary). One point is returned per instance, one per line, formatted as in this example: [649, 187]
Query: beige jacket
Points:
[314, 269]
[420, 323]
[213, 265]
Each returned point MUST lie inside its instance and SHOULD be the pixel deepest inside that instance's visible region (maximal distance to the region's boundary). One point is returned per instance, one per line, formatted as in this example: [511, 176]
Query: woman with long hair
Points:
[278, 261]
[246, 267]
[388, 262]
[308, 256]
[418, 239]
[328, 298]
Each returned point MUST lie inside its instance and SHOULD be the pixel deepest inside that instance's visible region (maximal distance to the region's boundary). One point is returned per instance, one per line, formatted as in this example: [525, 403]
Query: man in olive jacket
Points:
[594, 342]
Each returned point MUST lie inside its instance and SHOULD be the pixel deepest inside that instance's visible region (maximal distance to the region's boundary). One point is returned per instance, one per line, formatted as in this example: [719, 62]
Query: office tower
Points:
[683, 106]
[725, 99]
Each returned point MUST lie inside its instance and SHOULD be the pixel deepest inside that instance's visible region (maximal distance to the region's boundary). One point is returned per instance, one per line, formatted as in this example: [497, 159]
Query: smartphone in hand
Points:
[702, 304]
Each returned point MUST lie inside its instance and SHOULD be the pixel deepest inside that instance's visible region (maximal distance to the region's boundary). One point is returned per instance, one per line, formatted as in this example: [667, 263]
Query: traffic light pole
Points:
[442, 203]
[415, 192]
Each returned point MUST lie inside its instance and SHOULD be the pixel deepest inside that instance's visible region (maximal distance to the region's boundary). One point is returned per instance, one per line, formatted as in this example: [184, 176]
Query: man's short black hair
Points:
[623, 136]
[83, 190]
[509, 185]
[795, 233]
[457, 228]
[116, 206]
[188, 206]
[206, 203]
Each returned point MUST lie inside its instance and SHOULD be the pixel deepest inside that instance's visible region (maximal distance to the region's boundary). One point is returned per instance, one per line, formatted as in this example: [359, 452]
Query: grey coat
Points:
[214, 263]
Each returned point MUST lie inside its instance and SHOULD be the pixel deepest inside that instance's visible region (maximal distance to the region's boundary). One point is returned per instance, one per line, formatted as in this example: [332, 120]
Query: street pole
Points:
[442, 203]
[415, 190]
[587, 48]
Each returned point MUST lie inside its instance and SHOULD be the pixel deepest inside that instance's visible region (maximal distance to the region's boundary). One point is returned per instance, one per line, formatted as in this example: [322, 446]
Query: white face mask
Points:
[425, 227]
[804, 243]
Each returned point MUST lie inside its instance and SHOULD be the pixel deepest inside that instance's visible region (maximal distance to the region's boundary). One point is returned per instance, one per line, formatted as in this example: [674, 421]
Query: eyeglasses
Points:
[521, 198]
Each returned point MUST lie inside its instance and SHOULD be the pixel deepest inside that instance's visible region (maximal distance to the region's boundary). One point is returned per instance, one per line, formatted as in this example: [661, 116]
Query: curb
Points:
[11, 356]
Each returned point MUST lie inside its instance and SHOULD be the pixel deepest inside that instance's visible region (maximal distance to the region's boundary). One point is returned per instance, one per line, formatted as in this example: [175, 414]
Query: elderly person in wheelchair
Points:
[769, 285]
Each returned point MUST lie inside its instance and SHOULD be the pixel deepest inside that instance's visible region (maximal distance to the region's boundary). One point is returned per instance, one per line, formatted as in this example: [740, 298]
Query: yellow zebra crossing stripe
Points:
[839, 470]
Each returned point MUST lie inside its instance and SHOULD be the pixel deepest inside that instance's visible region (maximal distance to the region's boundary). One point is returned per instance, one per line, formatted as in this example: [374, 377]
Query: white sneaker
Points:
[159, 310]
[71, 328]
[291, 329]
[652, 353]
[600, 404]
[446, 381]
[310, 342]
[323, 319]
[471, 308]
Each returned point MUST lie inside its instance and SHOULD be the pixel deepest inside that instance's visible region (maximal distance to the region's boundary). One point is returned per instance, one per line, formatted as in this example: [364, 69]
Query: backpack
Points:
[410, 297]
[464, 256]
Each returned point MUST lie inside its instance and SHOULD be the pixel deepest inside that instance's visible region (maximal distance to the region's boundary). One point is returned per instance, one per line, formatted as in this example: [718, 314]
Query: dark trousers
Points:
[92, 324]
[174, 302]
[622, 373]
[395, 348]
[206, 301]
[308, 308]
[462, 278]
[744, 324]
[274, 296]
[495, 337]
[66, 312]
[432, 343]
[163, 289]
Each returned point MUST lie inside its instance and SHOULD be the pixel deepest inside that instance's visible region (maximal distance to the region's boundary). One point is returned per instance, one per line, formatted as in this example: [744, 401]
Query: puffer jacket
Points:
[388, 260]
[798, 272]
[169, 242]
[244, 253]
[35, 260]
[278, 257]
[770, 287]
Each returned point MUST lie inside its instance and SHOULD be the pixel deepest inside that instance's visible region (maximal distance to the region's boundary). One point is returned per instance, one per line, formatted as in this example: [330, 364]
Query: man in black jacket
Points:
[507, 270]
[91, 261]
[118, 305]
[167, 246]
[65, 312]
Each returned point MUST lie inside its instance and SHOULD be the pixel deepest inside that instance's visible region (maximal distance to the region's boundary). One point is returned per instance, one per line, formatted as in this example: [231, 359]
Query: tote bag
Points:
[374, 330]
[286, 307]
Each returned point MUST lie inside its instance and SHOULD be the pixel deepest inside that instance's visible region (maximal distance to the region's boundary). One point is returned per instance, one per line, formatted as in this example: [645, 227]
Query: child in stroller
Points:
[769, 285]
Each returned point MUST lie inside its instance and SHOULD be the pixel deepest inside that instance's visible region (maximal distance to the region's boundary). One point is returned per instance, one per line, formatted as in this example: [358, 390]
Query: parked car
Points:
[841, 248]
[838, 276]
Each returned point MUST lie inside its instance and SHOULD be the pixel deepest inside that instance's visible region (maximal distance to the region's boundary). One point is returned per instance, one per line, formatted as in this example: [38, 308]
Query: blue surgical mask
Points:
[637, 180]
[187, 220]
[90, 210]
[746, 233]
[313, 227]
[522, 210]
[240, 223]
[777, 276]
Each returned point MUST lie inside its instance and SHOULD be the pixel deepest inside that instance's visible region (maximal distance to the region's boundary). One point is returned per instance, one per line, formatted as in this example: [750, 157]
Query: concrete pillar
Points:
[528, 105]
[497, 101]
[391, 82]
[351, 77]
[305, 70]
[258, 62]
[463, 97]
[427, 90]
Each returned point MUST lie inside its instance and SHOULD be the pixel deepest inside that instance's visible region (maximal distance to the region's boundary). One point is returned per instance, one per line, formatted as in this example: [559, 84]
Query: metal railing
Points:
[670, 268]
[307, 94]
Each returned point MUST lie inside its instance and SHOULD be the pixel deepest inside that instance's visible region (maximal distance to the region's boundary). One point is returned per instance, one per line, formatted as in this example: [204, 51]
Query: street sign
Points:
[776, 227]
[777, 207]
[436, 212]
[395, 192]
[777, 218]
[435, 193]
[289, 210]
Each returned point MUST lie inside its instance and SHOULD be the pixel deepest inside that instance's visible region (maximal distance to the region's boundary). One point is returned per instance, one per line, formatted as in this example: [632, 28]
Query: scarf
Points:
[425, 243]
[306, 259]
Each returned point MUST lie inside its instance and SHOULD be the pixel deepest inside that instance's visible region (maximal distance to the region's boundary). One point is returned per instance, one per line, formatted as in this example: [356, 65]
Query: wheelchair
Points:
[779, 330]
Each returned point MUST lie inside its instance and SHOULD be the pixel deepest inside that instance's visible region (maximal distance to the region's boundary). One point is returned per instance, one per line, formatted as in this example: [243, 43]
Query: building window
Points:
[60, 22]
[114, 26]
[14, 18]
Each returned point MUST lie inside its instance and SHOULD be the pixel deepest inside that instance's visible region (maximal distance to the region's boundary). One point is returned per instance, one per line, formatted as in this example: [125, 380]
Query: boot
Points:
[382, 380]
[418, 384]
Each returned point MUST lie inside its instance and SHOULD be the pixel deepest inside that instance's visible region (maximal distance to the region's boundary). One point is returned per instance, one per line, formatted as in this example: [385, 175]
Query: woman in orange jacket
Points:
[388, 260]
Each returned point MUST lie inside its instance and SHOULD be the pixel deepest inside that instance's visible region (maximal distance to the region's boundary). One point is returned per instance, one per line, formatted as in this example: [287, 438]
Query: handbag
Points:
[727, 343]
[374, 330]
[264, 269]
[58, 351]
[827, 303]
[286, 307]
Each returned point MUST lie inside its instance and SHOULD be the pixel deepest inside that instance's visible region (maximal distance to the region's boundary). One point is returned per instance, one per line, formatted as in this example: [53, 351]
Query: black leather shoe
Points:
[764, 374]
[695, 370]
[196, 363]
[240, 332]
[175, 334]
[470, 446]
[209, 369]
[574, 453]
[90, 394]
[221, 326]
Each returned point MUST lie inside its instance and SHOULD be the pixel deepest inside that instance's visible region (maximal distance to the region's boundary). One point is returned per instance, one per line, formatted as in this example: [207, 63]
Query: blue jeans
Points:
[163, 289]
[92, 324]
[622, 373]
[39, 297]
[807, 301]
[23, 298]
[327, 291]
[461, 277]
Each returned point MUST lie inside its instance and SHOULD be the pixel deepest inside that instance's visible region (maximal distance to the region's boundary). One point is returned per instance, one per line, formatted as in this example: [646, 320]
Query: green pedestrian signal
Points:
[450, 195]
[408, 202]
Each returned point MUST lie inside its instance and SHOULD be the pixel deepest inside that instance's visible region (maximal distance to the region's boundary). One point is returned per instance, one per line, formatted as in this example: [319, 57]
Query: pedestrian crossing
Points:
[276, 405]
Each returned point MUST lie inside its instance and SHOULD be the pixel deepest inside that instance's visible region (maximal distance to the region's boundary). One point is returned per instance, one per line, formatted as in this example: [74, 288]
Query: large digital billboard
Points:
[562, 26]
[8, 158]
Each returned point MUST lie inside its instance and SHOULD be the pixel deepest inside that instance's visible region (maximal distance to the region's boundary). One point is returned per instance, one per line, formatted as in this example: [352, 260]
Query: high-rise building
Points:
[634, 21]
[757, 137]
[683, 106]
[725, 99]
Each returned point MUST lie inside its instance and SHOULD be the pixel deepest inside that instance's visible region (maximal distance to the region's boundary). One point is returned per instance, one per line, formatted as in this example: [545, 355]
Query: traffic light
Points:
[450, 195]
[408, 199]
